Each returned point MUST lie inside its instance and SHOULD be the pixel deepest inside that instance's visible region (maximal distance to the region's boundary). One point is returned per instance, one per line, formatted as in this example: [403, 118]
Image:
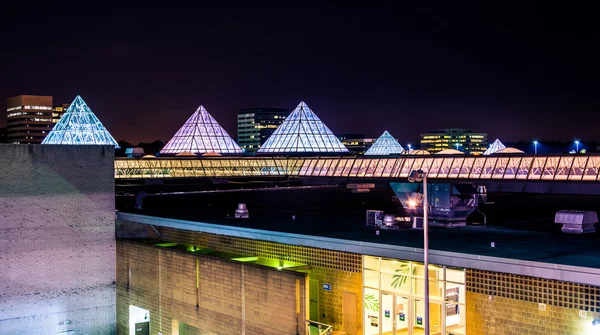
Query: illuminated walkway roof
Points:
[507, 167]
[79, 125]
[385, 145]
[302, 132]
[200, 134]
[497, 145]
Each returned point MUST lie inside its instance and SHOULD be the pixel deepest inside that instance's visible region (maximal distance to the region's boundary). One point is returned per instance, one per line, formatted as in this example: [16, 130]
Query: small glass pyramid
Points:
[201, 134]
[497, 145]
[302, 132]
[79, 125]
[385, 145]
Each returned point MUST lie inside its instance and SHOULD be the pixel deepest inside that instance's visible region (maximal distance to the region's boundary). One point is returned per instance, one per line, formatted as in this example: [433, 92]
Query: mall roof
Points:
[337, 213]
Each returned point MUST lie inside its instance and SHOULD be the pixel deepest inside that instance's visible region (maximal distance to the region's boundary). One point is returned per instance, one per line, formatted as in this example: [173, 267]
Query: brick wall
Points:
[57, 246]
[343, 270]
[214, 296]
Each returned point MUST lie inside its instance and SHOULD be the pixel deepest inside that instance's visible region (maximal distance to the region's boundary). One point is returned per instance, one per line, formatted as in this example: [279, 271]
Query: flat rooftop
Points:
[521, 225]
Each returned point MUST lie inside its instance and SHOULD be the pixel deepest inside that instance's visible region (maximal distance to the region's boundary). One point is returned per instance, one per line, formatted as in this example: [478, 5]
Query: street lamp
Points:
[457, 145]
[409, 146]
[577, 146]
[418, 176]
[535, 143]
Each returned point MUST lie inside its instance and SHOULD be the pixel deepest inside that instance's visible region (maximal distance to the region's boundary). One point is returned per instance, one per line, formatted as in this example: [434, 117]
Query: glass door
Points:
[435, 317]
[401, 314]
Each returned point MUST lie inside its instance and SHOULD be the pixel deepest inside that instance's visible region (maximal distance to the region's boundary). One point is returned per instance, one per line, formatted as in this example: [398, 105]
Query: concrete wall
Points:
[57, 245]
[210, 295]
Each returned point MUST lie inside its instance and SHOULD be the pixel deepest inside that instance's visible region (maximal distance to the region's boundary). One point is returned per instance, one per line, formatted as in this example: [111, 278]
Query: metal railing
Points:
[321, 328]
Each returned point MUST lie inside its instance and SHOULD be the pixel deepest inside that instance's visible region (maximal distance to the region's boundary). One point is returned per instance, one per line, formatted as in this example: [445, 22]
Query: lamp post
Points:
[418, 176]
[577, 146]
[409, 146]
[457, 145]
[535, 143]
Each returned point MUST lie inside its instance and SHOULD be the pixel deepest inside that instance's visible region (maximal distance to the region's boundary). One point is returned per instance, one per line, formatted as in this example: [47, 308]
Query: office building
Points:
[465, 140]
[29, 118]
[256, 125]
[356, 143]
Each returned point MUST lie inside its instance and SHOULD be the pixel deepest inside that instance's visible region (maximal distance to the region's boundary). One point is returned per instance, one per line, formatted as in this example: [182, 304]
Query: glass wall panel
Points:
[371, 311]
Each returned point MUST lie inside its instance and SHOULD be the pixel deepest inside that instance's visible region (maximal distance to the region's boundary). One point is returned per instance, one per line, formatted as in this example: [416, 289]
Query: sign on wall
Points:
[327, 287]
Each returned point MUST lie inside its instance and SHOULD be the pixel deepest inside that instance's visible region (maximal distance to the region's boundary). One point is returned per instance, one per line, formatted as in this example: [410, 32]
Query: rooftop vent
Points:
[577, 222]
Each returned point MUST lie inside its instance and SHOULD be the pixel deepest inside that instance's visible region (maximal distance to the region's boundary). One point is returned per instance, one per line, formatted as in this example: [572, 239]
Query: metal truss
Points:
[517, 167]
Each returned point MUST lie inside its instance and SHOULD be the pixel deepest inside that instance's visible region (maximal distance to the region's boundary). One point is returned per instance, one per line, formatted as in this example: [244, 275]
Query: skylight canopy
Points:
[200, 134]
[302, 132]
[385, 145]
[497, 145]
[80, 126]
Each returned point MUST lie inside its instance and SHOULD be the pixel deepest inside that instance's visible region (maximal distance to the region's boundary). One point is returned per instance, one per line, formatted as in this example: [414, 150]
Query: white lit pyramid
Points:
[201, 134]
[385, 145]
[79, 125]
[497, 145]
[302, 132]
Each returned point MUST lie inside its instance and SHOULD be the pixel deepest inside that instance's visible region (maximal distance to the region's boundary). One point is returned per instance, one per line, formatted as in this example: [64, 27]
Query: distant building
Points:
[255, 125]
[465, 140]
[29, 118]
[357, 144]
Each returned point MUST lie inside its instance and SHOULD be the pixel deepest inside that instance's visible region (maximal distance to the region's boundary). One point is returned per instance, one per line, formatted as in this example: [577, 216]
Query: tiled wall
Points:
[343, 270]
[213, 295]
[499, 303]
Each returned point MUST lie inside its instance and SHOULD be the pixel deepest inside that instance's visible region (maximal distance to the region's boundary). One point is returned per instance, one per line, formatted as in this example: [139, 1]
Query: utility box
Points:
[577, 222]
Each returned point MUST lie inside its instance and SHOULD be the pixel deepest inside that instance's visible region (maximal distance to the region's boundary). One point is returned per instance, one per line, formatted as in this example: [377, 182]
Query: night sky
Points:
[516, 72]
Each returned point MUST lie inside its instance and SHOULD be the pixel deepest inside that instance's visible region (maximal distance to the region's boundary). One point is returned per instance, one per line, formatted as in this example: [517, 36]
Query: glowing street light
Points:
[535, 143]
[577, 146]
[457, 145]
[409, 146]
[418, 176]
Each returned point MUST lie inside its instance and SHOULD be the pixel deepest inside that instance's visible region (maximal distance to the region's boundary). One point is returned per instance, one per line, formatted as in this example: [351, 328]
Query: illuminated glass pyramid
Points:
[201, 134]
[302, 132]
[497, 145]
[385, 145]
[79, 125]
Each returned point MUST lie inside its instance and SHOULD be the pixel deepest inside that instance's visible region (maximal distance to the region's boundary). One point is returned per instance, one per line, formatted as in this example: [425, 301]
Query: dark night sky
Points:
[517, 72]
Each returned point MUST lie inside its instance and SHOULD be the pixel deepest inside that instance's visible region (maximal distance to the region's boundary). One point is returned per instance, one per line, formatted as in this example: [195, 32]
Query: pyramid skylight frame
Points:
[497, 145]
[79, 126]
[385, 145]
[201, 134]
[302, 132]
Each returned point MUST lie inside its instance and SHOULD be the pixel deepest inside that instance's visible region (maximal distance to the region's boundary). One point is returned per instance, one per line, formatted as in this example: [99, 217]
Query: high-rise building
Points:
[29, 118]
[357, 144]
[256, 125]
[465, 140]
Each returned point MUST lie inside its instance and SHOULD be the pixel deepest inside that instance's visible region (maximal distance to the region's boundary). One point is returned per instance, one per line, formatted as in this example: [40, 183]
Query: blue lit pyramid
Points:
[385, 145]
[497, 145]
[201, 134]
[79, 126]
[302, 132]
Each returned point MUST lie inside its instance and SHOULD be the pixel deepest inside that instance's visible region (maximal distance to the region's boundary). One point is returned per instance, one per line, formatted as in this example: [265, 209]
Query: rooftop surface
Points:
[521, 225]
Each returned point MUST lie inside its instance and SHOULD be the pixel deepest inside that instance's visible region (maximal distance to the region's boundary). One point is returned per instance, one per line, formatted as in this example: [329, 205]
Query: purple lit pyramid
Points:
[302, 132]
[497, 145]
[201, 134]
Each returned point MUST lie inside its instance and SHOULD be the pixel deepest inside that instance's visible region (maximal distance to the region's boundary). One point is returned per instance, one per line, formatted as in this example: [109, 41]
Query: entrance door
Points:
[349, 312]
[435, 317]
[313, 296]
[401, 313]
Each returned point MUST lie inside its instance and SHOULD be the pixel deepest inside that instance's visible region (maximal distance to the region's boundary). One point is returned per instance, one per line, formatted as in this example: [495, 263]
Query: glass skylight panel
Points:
[79, 125]
[302, 131]
[385, 145]
[200, 134]
[497, 145]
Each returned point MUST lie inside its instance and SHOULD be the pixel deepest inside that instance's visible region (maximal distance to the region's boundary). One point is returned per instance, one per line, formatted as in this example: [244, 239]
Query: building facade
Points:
[465, 140]
[357, 144]
[29, 118]
[256, 125]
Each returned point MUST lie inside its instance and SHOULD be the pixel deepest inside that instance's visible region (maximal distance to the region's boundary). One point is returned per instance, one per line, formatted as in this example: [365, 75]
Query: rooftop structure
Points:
[79, 126]
[303, 132]
[497, 145]
[201, 134]
[385, 145]
[509, 150]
